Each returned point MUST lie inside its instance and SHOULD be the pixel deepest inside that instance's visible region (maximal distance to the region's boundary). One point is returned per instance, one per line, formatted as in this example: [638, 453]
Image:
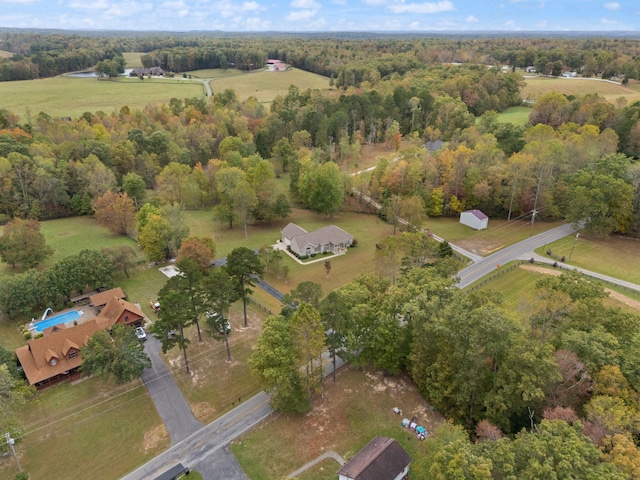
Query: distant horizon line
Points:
[137, 32]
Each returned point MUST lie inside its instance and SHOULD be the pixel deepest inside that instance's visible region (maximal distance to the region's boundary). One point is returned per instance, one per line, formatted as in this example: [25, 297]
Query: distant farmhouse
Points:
[154, 71]
[381, 459]
[330, 239]
[56, 355]
[276, 66]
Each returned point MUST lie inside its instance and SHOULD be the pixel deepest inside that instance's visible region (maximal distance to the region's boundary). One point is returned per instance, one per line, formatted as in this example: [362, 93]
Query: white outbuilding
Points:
[474, 219]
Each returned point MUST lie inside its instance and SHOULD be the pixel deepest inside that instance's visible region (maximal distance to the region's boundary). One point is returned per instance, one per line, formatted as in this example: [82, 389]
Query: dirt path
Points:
[612, 293]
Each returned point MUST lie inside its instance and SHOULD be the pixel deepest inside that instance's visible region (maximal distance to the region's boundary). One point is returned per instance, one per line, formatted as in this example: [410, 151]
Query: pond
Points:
[92, 74]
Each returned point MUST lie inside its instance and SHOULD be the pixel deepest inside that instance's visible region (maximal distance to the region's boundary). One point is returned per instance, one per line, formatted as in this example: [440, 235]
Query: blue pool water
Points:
[57, 320]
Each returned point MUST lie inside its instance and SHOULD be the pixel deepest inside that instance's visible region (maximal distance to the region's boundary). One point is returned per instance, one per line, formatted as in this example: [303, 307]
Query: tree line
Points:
[348, 58]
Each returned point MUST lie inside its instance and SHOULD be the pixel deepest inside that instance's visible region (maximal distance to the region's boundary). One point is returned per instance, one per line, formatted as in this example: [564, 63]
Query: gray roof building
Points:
[381, 459]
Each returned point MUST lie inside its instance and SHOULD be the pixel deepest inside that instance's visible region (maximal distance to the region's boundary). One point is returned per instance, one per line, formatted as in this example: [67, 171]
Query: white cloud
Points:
[374, 2]
[471, 19]
[428, 7]
[301, 15]
[308, 4]
[176, 8]
[608, 21]
[509, 24]
[97, 5]
[339, 2]
[613, 6]
[127, 9]
[227, 8]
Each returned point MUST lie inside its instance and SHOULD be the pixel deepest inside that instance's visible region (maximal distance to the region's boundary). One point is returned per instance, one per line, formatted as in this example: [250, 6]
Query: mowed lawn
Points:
[539, 86]
[68, 236]
[64, 96]
[266, 86]
[616, 256]
[89, 430]
[515, 115]
[366, 229]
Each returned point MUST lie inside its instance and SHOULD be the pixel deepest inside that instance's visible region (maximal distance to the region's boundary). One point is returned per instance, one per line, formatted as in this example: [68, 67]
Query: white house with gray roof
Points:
[331, 239]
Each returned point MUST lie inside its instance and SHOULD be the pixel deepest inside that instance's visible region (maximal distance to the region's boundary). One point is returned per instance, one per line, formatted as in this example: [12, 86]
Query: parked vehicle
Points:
[141, 334]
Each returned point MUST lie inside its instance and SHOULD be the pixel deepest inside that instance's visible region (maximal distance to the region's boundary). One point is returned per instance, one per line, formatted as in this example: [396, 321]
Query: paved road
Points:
[205, 450]
[489, 263]
[167, 397]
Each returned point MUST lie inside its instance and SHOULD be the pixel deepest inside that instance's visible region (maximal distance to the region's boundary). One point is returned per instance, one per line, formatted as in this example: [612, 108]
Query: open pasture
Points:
[70, 97]
[5, 54]
[132, 59]
[539, 86]
[266, 86]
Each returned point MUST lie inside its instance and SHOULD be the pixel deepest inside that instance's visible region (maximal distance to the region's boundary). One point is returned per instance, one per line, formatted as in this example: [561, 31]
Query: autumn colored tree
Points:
[199, 249]
[117, 212]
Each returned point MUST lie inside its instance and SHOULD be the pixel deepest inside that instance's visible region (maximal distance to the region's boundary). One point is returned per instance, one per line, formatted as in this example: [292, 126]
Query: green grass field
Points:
[538, 86]
[64, 421]
[64, 96]
[615, 256]
[515, 115]
[132, 59]
[67, 236]
[265, 86]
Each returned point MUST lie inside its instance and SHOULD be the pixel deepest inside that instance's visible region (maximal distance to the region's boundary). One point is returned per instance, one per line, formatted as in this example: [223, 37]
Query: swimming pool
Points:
[57, 320]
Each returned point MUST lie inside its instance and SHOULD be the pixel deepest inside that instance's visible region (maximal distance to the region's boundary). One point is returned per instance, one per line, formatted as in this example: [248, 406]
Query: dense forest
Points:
[546, 392]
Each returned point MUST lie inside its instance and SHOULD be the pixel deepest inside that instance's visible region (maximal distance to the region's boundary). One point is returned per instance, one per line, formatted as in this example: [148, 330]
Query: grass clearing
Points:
[539, 86]
[354, 410]
[266, 86]
[5, 54]
[66, 419]
[367, 229]
[64, 96]
[133, 59]
[68, 236]
[615, 255]
[516, 115]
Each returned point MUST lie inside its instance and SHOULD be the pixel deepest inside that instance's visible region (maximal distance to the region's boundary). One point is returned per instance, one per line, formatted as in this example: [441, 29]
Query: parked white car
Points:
[141, 334]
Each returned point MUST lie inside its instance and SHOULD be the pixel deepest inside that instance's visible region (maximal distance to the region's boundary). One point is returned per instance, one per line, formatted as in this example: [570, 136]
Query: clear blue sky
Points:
[324, 15]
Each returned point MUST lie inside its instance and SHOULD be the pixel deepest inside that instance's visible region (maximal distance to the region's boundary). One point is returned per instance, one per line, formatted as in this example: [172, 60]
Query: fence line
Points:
[260, 306]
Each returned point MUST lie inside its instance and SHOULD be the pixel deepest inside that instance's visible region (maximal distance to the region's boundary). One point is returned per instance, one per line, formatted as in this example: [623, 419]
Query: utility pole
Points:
[573, 246]
[533, 219]
[10, 442]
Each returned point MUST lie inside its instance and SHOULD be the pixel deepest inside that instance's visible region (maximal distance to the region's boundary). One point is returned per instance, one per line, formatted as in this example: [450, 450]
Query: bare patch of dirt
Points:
[630, 302]
[154, 437]
[480, 246]
[202, 410]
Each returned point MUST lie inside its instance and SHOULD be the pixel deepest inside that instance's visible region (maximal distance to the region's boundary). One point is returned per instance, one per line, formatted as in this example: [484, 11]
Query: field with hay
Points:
[539, 86]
